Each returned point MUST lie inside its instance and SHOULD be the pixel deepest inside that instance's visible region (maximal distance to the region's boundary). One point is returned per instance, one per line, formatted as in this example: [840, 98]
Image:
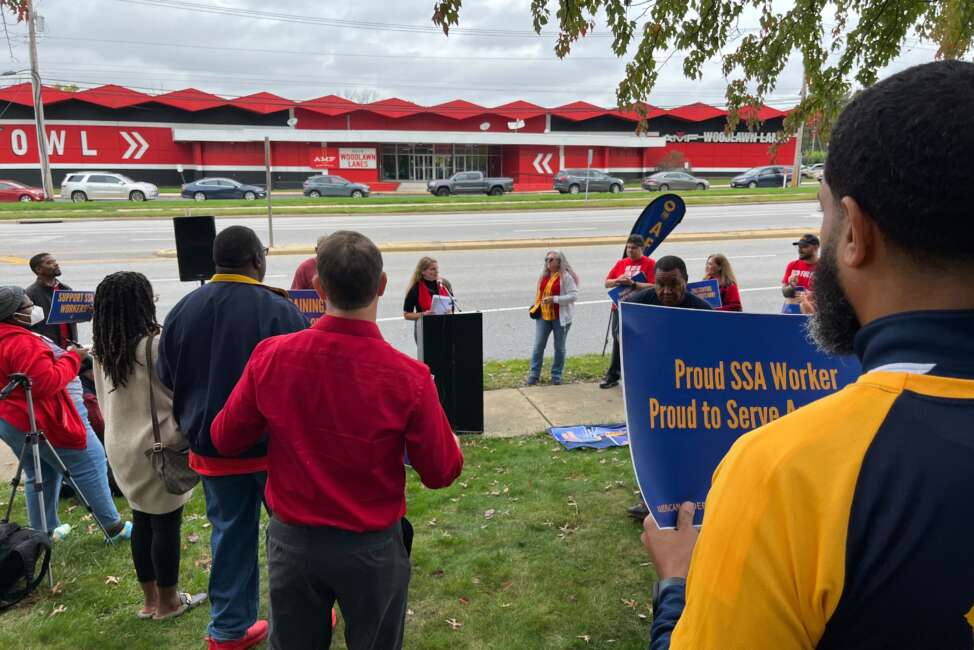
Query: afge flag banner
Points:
[696, 380]
[657, 220]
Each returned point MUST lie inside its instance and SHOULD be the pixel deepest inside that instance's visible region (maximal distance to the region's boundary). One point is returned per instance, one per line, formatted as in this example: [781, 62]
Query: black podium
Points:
[452, 346]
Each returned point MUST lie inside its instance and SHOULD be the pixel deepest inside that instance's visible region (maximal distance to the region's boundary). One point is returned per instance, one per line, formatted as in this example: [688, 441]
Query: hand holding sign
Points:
[671, 549]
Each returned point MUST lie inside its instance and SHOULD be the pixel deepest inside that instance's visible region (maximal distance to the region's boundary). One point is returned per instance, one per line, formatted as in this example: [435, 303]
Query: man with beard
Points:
[799, 273]
[47, 270]
[849, 523]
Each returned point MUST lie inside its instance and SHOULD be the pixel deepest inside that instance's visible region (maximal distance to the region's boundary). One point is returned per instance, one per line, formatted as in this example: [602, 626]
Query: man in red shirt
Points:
[621, 275]
[340, 406]
[799, 273]
[306, 271]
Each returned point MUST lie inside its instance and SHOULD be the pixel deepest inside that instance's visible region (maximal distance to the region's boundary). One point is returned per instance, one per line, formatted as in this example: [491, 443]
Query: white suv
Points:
[89, 186]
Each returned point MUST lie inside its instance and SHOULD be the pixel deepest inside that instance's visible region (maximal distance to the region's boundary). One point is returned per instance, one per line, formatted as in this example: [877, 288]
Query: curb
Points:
[552, 242]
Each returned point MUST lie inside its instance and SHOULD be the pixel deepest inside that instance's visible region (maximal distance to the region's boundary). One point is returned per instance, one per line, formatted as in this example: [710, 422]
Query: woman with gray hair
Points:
[554, 306]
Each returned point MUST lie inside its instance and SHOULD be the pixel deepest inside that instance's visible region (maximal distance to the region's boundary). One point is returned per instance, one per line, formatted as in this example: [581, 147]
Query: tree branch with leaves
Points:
[861, 37]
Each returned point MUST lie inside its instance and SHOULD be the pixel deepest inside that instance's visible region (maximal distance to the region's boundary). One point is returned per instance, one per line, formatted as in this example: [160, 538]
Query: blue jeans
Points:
[88, 467]
[542, 328]
[233, 508]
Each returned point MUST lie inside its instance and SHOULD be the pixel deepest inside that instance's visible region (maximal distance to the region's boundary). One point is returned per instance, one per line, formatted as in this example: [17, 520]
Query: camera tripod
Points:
[32, 440]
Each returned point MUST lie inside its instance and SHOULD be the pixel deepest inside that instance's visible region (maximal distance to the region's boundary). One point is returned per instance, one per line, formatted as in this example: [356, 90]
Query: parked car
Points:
[471, 183]
[663, 181]
[221, 188]
[817, 174]
[809, 171]
[14, 191]
[92, 186]
[770, 176]
[334, 186]
[572, 181]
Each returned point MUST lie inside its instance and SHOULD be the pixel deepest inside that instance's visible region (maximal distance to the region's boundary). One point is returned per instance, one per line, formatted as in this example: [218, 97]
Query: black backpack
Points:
[19, 551]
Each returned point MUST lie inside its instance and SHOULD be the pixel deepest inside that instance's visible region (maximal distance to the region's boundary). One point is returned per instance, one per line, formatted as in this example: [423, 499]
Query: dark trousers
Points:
[615, 366]
[310, 568]
[155, 546]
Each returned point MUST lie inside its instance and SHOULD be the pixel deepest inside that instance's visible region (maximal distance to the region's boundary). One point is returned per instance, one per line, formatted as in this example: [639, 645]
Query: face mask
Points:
[36, 316]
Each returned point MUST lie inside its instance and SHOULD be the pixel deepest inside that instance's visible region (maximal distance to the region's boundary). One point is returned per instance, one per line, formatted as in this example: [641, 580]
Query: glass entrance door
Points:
[421, 167]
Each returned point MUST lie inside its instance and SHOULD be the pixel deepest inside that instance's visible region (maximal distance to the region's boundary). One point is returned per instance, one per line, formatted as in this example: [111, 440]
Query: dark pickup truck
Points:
[470, 183]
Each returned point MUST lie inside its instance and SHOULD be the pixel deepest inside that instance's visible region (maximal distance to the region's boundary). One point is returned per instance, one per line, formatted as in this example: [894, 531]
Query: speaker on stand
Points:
[194, 247]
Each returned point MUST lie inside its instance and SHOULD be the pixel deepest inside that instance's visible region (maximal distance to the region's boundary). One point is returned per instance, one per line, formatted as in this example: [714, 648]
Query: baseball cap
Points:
[806, 239]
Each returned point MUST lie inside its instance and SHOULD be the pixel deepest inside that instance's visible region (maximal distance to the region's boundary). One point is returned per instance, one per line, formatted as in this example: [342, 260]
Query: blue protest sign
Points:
[308, 303]
[593, 436]
[71, 307]
[708, 290]
[620, 293]
[657, 220]
[696, 380]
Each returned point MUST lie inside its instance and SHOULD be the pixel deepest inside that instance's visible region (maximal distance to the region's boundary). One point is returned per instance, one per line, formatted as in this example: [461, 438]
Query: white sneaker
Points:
[60, 532]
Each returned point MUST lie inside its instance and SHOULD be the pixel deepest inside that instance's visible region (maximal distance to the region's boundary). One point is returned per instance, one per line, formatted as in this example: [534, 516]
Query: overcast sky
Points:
[302, 53]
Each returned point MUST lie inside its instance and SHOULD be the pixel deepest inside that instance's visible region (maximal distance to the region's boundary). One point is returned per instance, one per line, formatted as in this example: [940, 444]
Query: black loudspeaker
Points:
[452, 346]
[194, 247]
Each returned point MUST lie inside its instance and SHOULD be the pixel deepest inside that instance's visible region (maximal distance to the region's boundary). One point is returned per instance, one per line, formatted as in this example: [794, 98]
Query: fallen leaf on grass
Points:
[642, 616]
[409, 612]
[584, 637]
[71, 508]
[464, 601]
[439, 573]
[57, 588]
[58, 610]
[192, 538]
[475, 580]
[206, 525]
[630, 603]
[92, 528]
[489, 513]
[431, 523]
[454, 623]
[203, 564]
[507, 585]
[111, 580]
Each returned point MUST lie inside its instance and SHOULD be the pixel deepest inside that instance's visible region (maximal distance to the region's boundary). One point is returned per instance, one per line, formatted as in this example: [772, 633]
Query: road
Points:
[134, 239]
[501, 283]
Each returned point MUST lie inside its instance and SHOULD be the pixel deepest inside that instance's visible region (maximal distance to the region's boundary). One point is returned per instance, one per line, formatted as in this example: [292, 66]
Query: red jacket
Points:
[23, 351]
[340, 406]
[730, 298]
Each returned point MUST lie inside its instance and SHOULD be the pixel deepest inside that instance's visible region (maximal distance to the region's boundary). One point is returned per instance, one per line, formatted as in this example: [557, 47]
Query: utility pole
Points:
[35, 81]
[796, 172]
[267, 176]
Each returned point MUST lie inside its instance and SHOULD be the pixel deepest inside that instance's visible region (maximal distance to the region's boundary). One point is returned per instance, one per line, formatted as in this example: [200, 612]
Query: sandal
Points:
[189, 601]
[143, 615]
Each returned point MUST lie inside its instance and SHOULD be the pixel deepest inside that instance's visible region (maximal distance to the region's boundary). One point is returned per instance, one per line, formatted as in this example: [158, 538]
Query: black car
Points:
[770, 176]
[334, 186]
[221, 188]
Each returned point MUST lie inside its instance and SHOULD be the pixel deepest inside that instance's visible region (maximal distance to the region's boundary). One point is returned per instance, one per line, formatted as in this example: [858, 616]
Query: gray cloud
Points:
[291, 59]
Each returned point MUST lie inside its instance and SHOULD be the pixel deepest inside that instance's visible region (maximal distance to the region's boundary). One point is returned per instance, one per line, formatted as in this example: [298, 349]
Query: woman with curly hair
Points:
[125, 332]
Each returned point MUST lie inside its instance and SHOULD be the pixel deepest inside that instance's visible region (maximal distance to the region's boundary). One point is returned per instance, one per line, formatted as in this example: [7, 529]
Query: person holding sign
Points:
[621, 275]
[718, 267]
[47, 270]
[849, 522]
[554, 305]
[800, 273]
[339, 407]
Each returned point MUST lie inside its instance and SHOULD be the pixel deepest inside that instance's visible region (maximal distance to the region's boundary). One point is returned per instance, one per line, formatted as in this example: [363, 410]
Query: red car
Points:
[14, 191]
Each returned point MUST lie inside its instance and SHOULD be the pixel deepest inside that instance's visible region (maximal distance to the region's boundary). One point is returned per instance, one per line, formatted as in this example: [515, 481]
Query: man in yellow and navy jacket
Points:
[850, 522]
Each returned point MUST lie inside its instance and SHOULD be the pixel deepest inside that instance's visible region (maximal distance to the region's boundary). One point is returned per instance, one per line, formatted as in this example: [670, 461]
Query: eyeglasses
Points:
[550, 259]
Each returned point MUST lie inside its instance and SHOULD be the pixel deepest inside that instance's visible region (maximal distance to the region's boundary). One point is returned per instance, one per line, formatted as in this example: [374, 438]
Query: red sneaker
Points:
[255, 634]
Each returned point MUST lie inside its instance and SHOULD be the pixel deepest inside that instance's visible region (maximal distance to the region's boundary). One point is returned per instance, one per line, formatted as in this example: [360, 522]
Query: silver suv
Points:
[90, 186]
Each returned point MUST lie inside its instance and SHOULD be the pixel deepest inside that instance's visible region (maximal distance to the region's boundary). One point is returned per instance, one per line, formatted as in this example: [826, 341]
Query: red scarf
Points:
[425, 298]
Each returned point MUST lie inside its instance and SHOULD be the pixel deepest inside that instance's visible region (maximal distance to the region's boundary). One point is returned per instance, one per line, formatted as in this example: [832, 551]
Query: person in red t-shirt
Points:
[306, 272]
[718, 267]
[340, 407]
[621, 276]
[800, 273]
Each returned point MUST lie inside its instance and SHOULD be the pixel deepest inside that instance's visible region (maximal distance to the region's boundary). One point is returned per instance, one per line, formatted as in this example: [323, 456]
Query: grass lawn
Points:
[530, 548]
[389, 204]
[511, 373]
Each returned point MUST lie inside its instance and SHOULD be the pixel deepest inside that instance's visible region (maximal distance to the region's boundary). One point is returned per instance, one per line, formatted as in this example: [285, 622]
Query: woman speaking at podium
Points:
[423, 286]
[552, 311]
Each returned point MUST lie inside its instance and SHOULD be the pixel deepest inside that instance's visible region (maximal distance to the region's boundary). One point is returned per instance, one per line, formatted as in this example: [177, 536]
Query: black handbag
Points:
[535, 311]
[172, 465]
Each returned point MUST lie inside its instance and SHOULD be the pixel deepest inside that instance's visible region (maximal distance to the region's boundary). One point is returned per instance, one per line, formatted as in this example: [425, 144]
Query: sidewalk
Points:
[508, 412]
